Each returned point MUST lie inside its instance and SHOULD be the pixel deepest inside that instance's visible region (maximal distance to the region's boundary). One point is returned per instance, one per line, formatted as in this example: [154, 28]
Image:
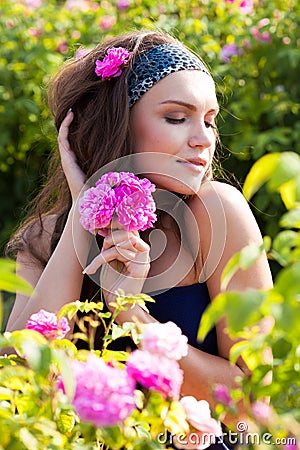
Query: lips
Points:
[196, 161]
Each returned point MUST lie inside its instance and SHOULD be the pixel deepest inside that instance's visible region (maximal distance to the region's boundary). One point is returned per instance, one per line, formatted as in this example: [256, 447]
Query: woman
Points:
[153, 105]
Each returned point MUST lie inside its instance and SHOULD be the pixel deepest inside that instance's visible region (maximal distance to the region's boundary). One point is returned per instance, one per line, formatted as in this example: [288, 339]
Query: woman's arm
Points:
[59, 283]
[61, 280]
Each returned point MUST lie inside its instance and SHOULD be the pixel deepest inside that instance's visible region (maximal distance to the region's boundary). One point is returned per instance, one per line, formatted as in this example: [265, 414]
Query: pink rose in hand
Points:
[46, 323]
[164, 339]
[122, 195]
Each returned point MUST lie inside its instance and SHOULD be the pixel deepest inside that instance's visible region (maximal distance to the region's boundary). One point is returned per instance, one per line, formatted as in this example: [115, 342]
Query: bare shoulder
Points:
[221, 201]
[218, 191]
[226, 224]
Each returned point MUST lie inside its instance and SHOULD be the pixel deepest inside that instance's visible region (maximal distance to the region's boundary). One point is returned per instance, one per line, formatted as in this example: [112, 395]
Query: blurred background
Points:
[251, 47]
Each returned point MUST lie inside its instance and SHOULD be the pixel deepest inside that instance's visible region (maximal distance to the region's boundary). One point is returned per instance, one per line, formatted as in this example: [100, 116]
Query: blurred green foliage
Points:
[276, 309]
[257, 85]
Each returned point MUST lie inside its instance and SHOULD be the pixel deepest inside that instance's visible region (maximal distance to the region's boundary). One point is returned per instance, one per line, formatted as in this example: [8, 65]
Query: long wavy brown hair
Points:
[98, 134]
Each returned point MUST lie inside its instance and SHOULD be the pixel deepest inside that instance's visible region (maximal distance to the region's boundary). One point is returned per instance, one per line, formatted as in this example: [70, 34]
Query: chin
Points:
[185, 186]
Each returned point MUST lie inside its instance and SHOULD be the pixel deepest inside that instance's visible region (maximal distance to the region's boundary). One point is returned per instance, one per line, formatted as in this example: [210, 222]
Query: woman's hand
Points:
[125, 263]
[75, 176]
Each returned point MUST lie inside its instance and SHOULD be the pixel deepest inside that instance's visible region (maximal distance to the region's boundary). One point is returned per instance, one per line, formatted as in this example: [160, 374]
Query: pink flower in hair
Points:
[47, 324]
[111, 65]
[120, 194]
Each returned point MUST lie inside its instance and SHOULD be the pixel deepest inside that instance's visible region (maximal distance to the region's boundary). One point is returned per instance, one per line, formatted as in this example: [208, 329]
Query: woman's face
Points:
[173, 130]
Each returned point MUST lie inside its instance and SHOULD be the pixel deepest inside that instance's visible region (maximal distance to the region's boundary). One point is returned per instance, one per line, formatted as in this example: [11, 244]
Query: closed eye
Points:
[174, 121]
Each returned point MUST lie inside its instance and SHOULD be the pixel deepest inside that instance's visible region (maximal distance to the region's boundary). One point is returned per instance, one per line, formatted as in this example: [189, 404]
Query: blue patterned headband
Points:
[157, 63]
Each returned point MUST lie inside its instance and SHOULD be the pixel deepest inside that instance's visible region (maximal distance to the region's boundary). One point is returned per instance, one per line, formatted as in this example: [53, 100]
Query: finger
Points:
[126, 238]
[107, 256]
[64, 130]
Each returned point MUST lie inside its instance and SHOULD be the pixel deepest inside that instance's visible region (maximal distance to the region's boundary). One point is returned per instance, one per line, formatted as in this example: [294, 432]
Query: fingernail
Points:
[69, 110]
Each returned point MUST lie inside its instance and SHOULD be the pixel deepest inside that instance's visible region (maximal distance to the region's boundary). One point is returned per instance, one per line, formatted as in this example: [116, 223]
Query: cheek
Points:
[149, 138]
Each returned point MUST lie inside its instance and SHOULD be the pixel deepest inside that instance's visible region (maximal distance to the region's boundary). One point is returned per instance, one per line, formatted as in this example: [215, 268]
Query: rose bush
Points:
[55, 396]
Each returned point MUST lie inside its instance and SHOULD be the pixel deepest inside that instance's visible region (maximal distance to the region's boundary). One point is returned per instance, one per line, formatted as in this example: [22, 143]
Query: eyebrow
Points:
[188, 105]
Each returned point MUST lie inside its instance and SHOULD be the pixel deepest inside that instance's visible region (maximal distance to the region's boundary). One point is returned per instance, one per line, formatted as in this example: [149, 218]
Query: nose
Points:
[201, 136]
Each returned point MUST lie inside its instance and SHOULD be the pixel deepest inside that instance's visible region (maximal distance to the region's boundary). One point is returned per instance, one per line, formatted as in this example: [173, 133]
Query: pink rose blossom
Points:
[136, 212]
[104, 395]
[120, 193]
[246, 6]
[265, 36]
[111, 64]
[228, 51]
[123, 4]
[35, 32]
[47, 324]
[290, 446]
[76, 34]
[222, 395]
[156, 372]
[165, 339]
[82, 5]
[107, 22]
[9, 23]
[33, 4]
[261, 412]
[62, 47]
[81, 53]
[263, 22]
[97, 207]
[198, 415]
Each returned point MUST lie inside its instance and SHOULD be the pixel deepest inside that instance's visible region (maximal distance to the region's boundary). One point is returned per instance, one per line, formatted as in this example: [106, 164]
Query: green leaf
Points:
[237, 349]
[287, 282]
[230, 269]
[109, 355]
[11, 282]
[65, 370]
[291, 219]
[37, 356]
[242, 260]
[65, 421]
[241, 309]
[211, 315]
[283, 244]
[288, 167]
[288, 192]
[66, 345]
[260, 172]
